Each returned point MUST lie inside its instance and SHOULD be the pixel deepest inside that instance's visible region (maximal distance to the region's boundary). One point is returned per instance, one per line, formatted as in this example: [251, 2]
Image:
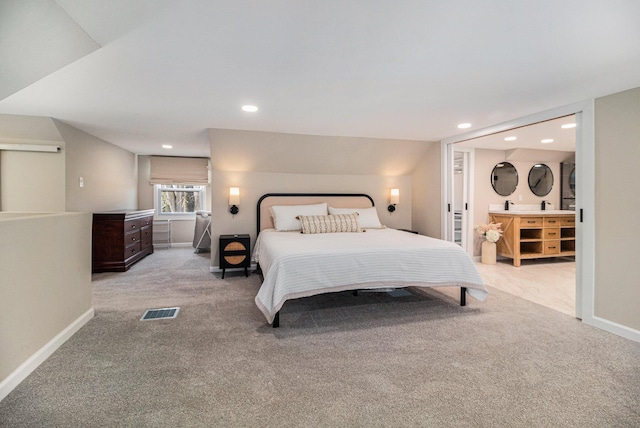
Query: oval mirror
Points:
[572, 182]
[504, 178]
[540, 179]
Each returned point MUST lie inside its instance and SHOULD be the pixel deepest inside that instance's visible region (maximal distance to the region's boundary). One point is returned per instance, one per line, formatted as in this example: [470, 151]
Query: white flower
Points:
[492, 235]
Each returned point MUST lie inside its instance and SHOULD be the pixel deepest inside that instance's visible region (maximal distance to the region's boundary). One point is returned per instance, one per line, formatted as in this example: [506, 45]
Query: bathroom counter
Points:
[535, 234]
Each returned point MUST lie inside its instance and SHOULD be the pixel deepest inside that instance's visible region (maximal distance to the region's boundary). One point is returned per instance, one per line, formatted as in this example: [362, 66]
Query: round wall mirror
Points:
[572, 182]
[540, 179]
[504, 178]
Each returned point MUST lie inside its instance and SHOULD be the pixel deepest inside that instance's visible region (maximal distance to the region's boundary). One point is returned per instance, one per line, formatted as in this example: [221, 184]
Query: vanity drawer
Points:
[568, 221]
[531, 222]
[551, 233]
[551, 247]
[551, 221]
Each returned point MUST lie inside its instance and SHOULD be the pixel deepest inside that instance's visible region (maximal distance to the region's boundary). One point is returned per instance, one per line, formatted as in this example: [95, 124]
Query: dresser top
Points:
[128, 214]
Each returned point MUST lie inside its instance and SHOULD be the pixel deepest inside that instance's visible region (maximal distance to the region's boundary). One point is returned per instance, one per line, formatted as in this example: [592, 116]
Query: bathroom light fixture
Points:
[510, 138]
[234, 200]
[568, 126]
[547, 140]
[249, 108]
[464, 125]
[167, 146]
[394, 199]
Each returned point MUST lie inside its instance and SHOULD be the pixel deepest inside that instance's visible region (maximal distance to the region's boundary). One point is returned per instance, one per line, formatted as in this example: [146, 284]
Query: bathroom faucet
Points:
[544, 205]
[506, 204]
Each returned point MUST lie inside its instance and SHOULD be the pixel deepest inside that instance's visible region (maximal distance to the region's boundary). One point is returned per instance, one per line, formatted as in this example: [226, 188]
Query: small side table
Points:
[234, 252]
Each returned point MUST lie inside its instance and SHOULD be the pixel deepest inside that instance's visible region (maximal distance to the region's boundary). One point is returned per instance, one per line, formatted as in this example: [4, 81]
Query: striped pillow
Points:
[330, 223]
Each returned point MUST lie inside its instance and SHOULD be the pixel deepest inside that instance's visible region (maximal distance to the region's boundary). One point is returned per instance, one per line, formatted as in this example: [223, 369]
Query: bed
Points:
[295, 265]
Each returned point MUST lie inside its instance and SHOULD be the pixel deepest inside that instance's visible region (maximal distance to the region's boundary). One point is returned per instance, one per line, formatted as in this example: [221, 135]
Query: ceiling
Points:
[530, 137]
[155, 72]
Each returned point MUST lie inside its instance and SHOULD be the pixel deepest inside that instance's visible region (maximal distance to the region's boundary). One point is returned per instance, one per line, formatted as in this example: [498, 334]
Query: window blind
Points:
[175, 170]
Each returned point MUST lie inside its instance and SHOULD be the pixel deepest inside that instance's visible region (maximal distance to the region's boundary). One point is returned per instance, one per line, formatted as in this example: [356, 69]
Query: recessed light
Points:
[464, 125]
[167, 146]
[250, 109]
[510, 138]
[568, 126]
[547, 140]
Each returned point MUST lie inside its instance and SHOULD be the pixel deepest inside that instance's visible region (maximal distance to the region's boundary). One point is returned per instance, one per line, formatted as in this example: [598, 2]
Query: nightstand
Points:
[234, 252]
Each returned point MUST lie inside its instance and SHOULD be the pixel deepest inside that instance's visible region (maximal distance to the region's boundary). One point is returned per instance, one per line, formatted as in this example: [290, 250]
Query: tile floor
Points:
[548, 282]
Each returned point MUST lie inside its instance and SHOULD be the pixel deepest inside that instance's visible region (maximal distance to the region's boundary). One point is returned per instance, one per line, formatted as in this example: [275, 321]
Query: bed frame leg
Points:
[463, 296]
[276, 320]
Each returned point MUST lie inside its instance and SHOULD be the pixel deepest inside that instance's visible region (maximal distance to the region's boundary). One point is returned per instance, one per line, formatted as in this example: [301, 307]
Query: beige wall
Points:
[617, 155]
[267, 162]
[426, 183]
[31, 181]
[45, 283]
[255, 184]
[109, 172]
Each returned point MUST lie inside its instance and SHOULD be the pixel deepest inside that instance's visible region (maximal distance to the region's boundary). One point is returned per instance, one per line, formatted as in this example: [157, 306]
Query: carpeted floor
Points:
[371, 360]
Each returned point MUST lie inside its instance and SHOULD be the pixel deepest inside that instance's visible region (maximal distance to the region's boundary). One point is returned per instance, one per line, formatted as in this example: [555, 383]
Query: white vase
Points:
[489, 253]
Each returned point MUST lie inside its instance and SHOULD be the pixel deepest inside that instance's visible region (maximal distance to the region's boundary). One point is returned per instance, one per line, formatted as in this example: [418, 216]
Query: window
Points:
[179, 199]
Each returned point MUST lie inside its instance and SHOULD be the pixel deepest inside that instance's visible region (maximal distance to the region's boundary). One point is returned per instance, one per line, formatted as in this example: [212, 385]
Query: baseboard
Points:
[615, 328]
[32, 363]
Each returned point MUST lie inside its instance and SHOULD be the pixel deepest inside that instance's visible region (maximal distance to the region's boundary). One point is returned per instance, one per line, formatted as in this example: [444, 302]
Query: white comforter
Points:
[297, 265]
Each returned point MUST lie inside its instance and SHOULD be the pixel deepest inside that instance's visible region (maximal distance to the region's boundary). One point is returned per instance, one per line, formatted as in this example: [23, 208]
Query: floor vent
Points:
[160, 314]
[400, 292]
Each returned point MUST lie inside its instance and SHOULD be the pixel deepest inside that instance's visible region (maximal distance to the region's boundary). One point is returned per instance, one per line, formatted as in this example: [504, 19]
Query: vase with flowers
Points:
[491, 233]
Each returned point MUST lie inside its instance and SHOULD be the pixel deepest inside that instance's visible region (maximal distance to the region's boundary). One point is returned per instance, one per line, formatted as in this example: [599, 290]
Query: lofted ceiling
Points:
[153, 72]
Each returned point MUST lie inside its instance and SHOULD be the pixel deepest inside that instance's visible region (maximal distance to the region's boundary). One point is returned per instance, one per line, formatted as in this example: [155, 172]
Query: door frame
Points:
[585, 191]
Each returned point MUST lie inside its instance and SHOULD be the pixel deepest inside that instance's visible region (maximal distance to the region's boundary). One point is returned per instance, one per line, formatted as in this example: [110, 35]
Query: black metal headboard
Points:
[289, 199]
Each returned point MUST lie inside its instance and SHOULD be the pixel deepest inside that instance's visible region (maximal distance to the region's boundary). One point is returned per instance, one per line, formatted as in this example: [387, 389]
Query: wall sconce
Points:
[234, 200]
[394, 199]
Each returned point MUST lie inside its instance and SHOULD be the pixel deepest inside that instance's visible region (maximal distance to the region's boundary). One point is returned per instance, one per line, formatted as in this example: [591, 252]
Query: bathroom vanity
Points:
[535, 234]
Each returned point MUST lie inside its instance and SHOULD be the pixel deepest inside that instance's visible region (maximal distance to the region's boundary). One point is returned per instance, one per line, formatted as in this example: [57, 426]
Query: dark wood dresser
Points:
[120, 239]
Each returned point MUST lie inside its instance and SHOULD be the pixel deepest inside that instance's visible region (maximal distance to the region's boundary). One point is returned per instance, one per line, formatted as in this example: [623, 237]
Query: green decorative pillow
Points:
[330, 223]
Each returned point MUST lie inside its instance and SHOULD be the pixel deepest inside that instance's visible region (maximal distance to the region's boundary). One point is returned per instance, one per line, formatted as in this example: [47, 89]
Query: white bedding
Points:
[297, 265]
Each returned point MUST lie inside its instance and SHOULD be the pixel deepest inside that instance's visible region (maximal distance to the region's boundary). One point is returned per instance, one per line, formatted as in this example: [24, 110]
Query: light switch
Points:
[81, 182]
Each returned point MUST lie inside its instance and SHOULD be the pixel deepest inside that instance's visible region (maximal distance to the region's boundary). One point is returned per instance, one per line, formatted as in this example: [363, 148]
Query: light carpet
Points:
[337, 360]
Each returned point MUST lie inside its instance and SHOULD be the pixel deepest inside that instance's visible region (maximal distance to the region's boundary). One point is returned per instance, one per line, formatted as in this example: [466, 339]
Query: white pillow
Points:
[368, 217]
[284, 216]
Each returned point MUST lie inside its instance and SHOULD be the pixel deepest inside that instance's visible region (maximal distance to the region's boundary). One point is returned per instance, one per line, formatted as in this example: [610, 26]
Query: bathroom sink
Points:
[532, 212]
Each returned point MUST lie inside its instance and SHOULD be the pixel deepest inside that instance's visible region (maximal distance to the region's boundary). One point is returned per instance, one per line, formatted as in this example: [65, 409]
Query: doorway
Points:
[585, 166]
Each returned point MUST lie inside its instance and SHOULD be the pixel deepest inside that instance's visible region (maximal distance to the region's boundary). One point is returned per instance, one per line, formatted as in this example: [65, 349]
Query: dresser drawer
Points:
[131, 225]
[146, 236]
[132, 250]
[551, 247]
[531, 222]
[568, 221]
[131, 238]
[146, 221]
[551, 221]
[551, 233]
